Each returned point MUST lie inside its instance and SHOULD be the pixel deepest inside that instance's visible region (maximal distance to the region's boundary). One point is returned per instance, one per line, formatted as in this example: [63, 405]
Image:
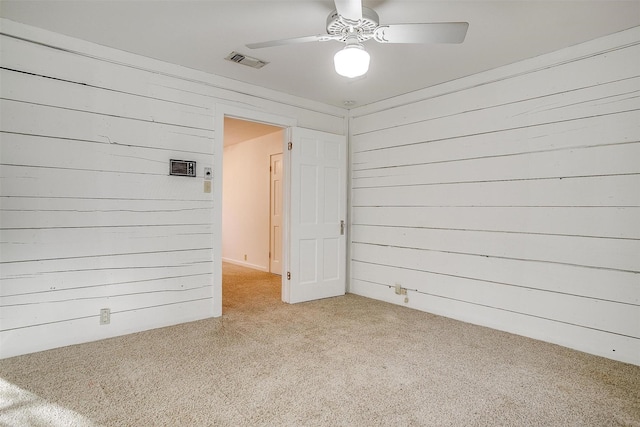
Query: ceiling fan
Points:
[354, 24]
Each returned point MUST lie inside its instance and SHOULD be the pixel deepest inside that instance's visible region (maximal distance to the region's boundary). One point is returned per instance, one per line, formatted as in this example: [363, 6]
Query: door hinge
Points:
[288, 275]
[290, 146]
[269, 255]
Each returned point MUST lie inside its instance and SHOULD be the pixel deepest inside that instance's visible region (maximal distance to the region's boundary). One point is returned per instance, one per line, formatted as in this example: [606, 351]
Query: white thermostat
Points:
[182, 168]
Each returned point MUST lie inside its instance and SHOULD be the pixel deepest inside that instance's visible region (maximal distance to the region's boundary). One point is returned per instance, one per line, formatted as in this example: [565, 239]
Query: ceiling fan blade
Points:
[441, 32]
[349, 9]
[295, 40]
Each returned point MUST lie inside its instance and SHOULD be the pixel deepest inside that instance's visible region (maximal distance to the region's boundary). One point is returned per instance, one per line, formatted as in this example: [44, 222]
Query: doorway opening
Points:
[252, 193]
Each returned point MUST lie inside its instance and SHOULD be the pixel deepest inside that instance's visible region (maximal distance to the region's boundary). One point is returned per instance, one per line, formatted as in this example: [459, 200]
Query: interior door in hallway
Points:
[275, 223]
[317, 204]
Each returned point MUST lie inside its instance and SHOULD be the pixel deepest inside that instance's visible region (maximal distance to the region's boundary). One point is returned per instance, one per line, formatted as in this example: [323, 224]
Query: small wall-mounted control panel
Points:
[182, 168]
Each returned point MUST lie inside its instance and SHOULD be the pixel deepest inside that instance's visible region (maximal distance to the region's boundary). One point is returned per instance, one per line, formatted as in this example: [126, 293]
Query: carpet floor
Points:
[346, 361]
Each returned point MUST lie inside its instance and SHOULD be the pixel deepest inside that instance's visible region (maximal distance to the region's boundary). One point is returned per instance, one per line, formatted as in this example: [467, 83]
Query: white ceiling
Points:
[200, 34]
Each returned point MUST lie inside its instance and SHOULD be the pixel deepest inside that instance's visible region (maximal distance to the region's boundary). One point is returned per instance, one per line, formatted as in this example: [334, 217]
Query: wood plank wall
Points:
[89, 217]
[510, 199]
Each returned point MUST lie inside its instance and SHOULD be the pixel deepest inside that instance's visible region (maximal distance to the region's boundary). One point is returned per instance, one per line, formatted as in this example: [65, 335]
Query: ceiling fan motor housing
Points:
[338, 26]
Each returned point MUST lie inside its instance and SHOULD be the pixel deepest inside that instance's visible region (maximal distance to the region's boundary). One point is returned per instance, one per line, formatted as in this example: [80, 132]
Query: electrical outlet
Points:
[245, 257]
[105, 316]
[398, 289]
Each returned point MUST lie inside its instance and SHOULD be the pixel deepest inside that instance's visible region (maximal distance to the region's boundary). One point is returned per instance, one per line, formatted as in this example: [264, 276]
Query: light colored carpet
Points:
[347, 361]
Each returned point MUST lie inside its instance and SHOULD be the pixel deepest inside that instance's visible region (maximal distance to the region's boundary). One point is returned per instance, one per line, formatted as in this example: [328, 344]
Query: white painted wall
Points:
[246, 200]
[511, 198]
[89, 216]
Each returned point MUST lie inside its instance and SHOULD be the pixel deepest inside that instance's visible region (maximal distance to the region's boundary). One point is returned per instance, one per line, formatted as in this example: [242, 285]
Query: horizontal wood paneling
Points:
[510, 199]
[87, 271]
[592, 132]
[43, 212]
[123, 72]
[526, 83]
[48, 121]
[510, 116]
[598, 161]
[607, 222]
[615, 254]
[621, 286]
[47, 335]
[62, 153]
[60, 182]
[560, 307]
[17, 314]
[45, 243]
[75, 97]
[89, 216]
[610, 191]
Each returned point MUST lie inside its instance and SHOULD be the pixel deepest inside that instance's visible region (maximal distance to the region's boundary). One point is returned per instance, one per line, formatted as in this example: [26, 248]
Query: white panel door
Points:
[275, 245]
[317, 261]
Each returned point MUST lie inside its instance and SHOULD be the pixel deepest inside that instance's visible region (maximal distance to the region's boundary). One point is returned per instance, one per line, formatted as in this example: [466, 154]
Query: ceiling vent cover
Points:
[245, 60]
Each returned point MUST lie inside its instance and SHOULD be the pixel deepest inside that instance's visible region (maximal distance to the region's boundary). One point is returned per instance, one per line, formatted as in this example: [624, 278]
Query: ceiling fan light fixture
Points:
[352, 61]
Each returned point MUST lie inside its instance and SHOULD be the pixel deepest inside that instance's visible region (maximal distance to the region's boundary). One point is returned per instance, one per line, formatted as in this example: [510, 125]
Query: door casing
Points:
[222, 111]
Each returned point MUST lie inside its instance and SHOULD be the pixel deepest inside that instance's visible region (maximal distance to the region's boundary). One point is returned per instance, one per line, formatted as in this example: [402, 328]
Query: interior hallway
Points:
[245, 289]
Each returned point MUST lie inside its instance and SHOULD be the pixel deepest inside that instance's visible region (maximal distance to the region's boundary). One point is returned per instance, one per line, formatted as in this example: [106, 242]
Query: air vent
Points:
[245, 60]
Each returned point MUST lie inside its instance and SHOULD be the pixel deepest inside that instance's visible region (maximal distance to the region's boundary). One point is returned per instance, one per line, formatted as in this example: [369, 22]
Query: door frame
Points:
[222, 111]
